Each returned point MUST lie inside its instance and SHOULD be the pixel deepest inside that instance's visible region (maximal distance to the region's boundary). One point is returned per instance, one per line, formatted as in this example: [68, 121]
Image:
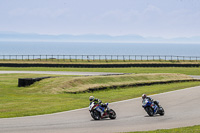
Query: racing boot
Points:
[102, 115]
[98, 109]
[157, 103]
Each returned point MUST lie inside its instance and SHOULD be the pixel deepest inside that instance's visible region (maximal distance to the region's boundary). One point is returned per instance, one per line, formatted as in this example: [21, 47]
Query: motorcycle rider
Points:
[97, 101]
[144, 96]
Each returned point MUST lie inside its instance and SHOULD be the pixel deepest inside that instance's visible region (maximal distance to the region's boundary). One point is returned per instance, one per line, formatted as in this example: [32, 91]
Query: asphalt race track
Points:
[181, 108]
[61, 73]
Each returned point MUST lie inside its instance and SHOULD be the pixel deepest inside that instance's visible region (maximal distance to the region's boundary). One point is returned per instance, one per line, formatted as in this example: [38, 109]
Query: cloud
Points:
[152, 9]
[130, 15]
[39, 12]
[17, 12]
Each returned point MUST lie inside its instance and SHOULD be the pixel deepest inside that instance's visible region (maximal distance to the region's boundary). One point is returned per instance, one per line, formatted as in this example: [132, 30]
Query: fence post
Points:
[88, 58]
[70, 58]
[64, 58]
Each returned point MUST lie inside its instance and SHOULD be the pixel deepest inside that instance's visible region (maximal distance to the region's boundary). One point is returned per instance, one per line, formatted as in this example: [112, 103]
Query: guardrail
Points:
[90, 58]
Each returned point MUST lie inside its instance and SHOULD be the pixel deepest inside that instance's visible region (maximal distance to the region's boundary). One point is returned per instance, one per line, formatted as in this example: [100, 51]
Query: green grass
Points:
[182, 70]
[23, 101]
[191, 129]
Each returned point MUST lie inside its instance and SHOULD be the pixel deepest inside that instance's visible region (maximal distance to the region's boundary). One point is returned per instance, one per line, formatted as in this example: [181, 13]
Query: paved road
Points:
[61, 73]
[181, 107]
[195, 76]
[72, 73]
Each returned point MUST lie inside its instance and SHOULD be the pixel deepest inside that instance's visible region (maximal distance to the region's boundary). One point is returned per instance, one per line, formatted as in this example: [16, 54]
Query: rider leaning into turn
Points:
[97, 101]
[144, 96]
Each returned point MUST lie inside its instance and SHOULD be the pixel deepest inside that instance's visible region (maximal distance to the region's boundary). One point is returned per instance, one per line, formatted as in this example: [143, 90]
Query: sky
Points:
[148, 18]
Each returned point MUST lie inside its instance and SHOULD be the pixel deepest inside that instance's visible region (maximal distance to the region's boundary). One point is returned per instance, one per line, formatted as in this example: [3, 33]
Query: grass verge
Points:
[23, 101]
[191, 129]
[92, 83]
[182, 70]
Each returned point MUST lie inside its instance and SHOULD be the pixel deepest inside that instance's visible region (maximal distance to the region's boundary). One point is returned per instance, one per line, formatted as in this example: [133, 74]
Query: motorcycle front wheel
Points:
[162, 112]
[95, 115]
[149, 111]
[112, 114]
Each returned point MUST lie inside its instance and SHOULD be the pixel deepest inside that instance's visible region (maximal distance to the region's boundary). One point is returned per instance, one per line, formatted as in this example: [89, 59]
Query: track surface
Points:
[181, 107]
[61, 73]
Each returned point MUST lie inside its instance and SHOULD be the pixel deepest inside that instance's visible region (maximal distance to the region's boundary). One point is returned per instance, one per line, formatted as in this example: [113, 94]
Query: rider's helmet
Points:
[144, 96]
[91, 98]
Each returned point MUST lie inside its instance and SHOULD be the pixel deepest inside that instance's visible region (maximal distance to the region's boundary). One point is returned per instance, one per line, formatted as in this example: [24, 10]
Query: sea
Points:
[94, 48]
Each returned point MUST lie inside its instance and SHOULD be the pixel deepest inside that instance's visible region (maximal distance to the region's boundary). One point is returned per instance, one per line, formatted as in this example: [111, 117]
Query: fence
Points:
[100, 58]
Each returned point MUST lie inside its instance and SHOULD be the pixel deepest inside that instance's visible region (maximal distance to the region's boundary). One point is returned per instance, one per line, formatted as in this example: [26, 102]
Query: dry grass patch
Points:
[81, 84]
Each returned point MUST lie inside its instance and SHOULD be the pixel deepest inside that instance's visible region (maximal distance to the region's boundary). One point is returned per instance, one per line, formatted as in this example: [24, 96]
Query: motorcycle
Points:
[96, 115]
[151, 108]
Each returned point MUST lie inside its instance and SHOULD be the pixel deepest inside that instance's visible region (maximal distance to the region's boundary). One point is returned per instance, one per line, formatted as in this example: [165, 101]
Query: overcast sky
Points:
[156, 18]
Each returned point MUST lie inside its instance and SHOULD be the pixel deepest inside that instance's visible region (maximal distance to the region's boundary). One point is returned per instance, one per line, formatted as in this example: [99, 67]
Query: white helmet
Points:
[144, 96]
[91, 98]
